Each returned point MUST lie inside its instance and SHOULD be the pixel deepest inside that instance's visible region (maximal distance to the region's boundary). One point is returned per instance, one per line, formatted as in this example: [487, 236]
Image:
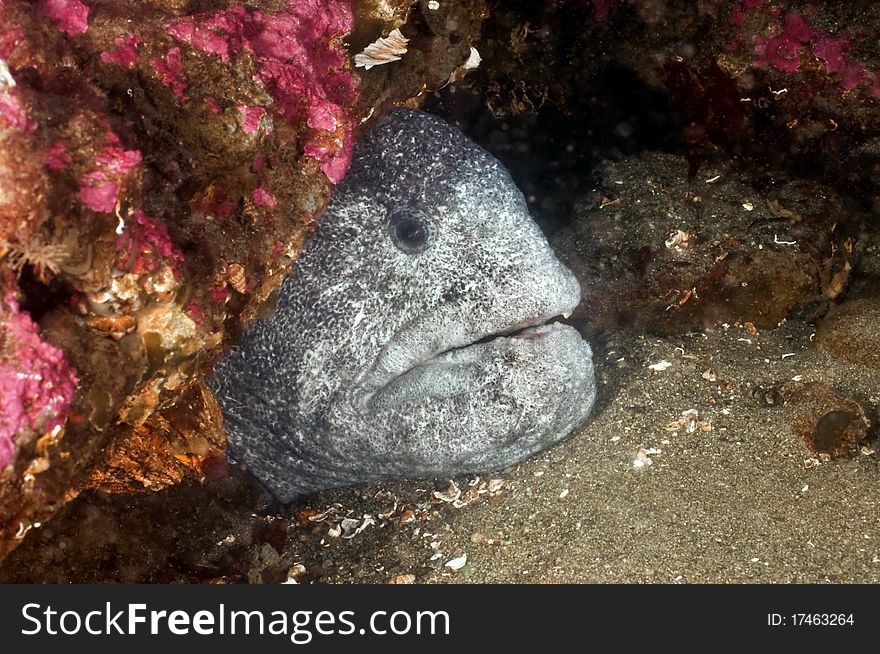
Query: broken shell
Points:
[382, 51]
[473, 60]
[769, 396]
[297, 574]
[99, 297]
[407, 578]
[116, 327]
[495, 485]
[351, 527]
[162, 285]
[312, 516]
[37, 466]
[457, 563]
[679, 240]
[642, 459]
[451, 494]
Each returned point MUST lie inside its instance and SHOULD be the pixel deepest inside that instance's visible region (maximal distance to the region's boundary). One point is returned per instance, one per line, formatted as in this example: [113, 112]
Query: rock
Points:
[183, 441]
[160, 167]
[831, 424]
[657, 252]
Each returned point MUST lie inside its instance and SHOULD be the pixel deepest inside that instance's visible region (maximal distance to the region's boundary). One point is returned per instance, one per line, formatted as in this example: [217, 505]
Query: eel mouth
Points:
[523, 330]
[406, 351]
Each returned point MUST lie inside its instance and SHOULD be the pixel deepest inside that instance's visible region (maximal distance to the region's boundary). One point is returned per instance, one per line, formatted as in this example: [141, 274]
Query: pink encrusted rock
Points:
[783, 52]
[250, 118]
[98, 195]
[194, 310]
[72, 16]
[218, 205]
[118, 161]
[57, 156]
[99, 189]
[326, 151]
[210, 33]
[322, 116]
[9, 40]
[144, 245]
[125, 53]
[834, 52]
[170, 72]
[23, 182]
[12, 114]
[795, 27]
[36, 381]
[301, 61]
[263, 197]
[218, 293]
[785, 49]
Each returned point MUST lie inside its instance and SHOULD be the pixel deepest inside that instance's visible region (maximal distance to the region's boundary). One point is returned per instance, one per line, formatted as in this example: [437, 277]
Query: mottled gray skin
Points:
[370, 366]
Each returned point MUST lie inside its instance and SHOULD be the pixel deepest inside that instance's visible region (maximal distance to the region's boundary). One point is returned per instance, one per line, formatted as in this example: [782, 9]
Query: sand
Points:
[731, 496]
[674, 479]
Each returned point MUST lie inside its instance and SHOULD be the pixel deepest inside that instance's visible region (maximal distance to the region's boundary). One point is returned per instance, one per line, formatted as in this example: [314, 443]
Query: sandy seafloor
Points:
[741, 502]
[729, 495]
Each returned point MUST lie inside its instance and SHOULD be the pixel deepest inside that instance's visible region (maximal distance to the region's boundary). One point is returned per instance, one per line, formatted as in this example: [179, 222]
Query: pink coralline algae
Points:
[36, 381]
[125, 53]
[12, 114]
[781, 51]
[300, 60]
[250, 118]
[9, 40]
[784, 50]
[57, 156]
[99, 189]
[195, 312]
[72, 16]
[263, 197]
[834, 52]
[218, 205]
[218, 293]
[144, 245]
[170, 72]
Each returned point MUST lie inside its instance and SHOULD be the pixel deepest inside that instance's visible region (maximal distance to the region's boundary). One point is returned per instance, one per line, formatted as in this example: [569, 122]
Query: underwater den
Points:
[439, 291]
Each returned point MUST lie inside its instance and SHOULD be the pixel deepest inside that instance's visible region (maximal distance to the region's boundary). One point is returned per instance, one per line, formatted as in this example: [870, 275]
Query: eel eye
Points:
[409, 230]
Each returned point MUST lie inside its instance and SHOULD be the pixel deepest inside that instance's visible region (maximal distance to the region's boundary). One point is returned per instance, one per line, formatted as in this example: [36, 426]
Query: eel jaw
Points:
[396, 360]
